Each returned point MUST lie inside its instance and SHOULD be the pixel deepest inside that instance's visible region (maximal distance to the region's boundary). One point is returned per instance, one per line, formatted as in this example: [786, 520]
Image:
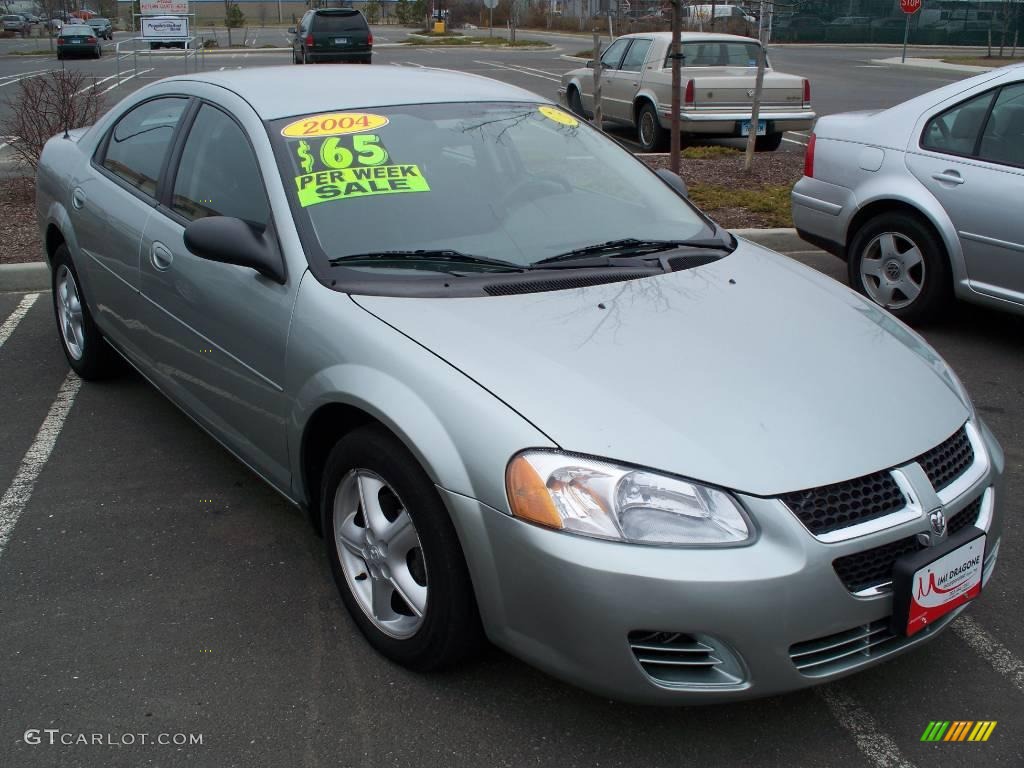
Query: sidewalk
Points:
[935, 64]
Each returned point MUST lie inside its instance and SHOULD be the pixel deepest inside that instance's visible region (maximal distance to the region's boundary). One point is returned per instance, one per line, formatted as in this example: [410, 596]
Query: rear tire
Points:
[768, 143]
[87, 352]
[651, 136]
[378, 561]
[898, 262]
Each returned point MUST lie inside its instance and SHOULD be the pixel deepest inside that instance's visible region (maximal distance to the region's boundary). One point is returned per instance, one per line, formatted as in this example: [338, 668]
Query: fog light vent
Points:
[684, 660]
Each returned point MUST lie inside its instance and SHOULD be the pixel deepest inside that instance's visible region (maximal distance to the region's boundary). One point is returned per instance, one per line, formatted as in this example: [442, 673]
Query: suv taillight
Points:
[90, 39]
[370, 41]
[809, 157]
[60, 41]
[309, 41]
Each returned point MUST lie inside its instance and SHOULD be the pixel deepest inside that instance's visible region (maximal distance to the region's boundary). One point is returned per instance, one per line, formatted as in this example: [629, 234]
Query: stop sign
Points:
[910, 6]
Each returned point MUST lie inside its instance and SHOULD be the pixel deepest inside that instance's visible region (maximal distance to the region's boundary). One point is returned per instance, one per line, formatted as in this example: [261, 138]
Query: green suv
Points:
[339, 34]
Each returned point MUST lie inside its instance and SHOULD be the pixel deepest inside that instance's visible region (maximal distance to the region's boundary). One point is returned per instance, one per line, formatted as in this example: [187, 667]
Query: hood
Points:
[754, 373]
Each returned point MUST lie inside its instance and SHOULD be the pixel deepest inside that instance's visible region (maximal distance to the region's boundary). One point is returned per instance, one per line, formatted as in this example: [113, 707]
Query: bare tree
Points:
[44, 106]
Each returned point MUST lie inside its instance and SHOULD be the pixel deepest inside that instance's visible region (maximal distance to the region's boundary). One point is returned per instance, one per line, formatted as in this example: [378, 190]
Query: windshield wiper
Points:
[629, 246]
[445, 256]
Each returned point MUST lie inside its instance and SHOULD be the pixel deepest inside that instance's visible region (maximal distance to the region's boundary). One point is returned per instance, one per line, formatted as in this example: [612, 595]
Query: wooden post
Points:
[675, 140]
[755, 112]
[598, 118]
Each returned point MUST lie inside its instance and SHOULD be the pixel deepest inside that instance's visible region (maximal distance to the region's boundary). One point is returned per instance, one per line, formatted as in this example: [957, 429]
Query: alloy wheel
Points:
[892, 270]
[647, 129]
[380, 553]
[69, 308]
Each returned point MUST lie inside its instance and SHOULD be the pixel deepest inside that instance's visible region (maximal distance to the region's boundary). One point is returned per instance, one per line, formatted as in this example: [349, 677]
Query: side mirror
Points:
[589, 64]
[291, 30]
[233, 241]
[673, 180]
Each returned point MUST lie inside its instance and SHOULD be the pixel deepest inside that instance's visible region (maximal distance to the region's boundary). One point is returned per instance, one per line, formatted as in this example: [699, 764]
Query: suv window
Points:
[610, 58]
[1003, 139]
[139, 142]
[218, 175]
[336, 23]
[636, 55]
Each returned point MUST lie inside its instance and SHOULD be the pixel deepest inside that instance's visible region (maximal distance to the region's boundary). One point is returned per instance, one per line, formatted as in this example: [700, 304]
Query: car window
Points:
[635, 56]
[1003, 139]
[718, 54]
[140, 140]
[218, 174]
[956, 131]
[610, 58]
[332, 23]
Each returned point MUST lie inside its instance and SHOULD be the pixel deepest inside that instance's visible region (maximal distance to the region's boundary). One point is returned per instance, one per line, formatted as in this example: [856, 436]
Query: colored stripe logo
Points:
[958, 730]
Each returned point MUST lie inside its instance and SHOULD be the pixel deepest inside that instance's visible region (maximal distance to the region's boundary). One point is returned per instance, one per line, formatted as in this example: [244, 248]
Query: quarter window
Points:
[139, 142]
[636, 56]
[1003, 139]
[956, 131]
[218, 175]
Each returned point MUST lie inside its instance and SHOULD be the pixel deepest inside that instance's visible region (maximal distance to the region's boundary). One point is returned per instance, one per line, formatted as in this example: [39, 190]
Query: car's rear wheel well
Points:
[638, 105]
[325, 428]
[879, 207]
[54, 240]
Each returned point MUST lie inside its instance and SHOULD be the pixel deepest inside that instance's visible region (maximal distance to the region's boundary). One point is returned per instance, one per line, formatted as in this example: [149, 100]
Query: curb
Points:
[932, 64]
[35, 275]
[32, 276]
[567, 57]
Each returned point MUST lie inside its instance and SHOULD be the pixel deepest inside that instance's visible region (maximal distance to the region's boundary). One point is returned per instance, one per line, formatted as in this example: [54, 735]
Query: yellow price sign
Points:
[334, 124]
[322, 187]
[559, 116]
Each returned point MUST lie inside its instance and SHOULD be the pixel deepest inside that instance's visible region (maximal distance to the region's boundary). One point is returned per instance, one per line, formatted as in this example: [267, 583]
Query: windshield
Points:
[513, 182]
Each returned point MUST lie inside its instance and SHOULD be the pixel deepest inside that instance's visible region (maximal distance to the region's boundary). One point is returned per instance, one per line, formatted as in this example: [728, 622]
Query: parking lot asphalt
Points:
[150, 584]
[843, 78]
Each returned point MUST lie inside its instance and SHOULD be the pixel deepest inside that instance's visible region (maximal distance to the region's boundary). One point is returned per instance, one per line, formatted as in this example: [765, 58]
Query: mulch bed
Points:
[19, 237]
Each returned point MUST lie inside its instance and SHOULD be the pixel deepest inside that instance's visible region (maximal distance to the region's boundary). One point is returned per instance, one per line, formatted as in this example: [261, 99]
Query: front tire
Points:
[768, 143]
[88, 354]
[898, 262]
[575, 103]
[394, 553]
[650, 134]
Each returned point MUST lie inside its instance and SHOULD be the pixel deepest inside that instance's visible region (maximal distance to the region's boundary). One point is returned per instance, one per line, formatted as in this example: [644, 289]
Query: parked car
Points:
[16, 23]
[332, 34]
[54, 25]
[78, 40]
[799, 27]
[919, 198]
[444, 317]
[719, 74]
[102, 27]
[850, 21]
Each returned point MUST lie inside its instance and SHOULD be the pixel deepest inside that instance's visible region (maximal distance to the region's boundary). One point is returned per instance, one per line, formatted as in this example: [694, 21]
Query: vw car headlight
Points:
[603, 500]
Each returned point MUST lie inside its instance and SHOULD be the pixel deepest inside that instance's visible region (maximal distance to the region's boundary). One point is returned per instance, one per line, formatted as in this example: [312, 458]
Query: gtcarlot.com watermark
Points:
[57, 737]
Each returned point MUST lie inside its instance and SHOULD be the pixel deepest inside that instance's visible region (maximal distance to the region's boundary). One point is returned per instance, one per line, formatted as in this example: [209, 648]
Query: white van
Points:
[701, 14]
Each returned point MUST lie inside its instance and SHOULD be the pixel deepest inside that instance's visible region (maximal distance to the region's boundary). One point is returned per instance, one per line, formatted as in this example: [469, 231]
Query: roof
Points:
[276, 92]
[694, 37]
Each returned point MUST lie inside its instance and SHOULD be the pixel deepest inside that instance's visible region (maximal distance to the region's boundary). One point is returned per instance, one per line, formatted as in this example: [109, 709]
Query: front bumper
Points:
[570, 605]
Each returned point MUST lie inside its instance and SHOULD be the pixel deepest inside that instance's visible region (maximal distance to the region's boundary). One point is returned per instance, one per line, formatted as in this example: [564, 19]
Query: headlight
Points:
[596, 498]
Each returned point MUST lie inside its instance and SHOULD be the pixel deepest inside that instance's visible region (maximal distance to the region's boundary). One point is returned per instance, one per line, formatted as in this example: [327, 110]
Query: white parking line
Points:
[24, 77]
[880, 750]
[24, 74]
[15, 317]
[17, 496]
[127, 78]
[795, 141]
[517, 69]
[990, 649]
[93, 85]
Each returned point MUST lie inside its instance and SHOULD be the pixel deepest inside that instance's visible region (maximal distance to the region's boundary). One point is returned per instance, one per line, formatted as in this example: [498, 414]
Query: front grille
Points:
[831, 507]
[873, 566]
[515, 287]
[946, 462]
[675, 658]
[854, 647]
[965, 517]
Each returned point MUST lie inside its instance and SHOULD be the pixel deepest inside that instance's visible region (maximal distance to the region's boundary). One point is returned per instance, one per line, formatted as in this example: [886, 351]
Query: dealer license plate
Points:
[341, 41]
[762, 128]
[925, 591]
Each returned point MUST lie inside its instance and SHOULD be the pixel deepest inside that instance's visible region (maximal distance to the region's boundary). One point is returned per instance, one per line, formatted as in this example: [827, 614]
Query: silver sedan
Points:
[924, 200]
[521, 386]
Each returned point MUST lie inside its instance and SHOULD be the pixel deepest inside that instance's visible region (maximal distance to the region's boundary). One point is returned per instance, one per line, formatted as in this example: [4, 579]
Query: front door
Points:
[623, 83]
[610, 60]
[218, 331]
[971, 158]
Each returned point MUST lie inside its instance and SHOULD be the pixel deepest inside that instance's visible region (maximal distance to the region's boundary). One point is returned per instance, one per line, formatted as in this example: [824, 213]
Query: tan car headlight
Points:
[596, 498]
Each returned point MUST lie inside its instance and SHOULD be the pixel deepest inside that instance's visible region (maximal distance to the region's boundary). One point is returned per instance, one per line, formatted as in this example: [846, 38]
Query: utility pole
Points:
[677, 84]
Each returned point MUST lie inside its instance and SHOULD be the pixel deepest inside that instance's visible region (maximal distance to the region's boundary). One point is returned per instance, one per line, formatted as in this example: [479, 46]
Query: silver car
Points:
[520, 385]
[923, 200]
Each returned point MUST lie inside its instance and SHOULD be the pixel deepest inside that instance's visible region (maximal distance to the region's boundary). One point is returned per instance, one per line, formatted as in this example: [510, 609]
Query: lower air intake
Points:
[682, 660]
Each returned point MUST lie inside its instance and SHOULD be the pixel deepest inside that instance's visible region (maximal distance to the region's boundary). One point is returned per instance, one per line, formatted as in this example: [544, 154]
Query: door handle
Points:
[949, 177]
[78, 198]
[161, 256]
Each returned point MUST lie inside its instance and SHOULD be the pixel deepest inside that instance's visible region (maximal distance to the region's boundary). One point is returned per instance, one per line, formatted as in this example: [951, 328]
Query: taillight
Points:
[309, 41]
[690, 96]
[807, 93]
[809, 157]
[370, 41]
[91, 40]
[60, 41]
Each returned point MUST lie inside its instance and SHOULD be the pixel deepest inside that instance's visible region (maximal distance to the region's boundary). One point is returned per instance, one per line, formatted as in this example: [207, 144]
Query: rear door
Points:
[970, 156]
